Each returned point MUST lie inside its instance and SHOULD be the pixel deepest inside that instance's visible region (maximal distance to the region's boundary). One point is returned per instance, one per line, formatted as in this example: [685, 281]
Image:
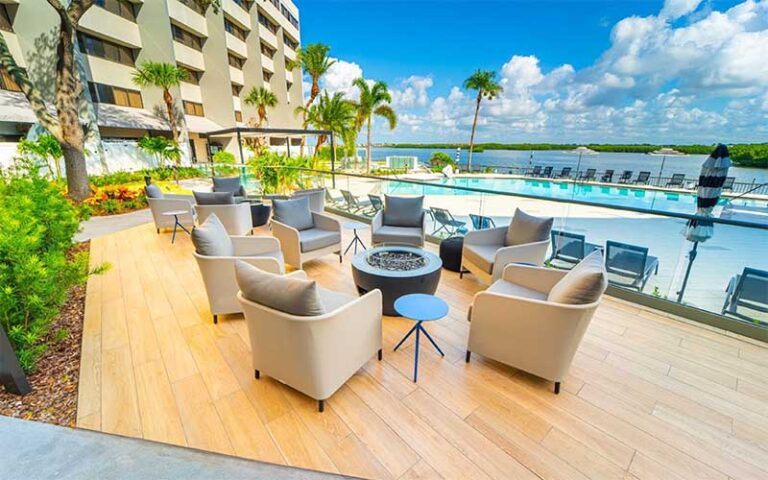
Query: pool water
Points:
[656, 200]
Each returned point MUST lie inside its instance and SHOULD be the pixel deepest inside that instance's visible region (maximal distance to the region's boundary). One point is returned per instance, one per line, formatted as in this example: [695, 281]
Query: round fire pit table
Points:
[396, 271]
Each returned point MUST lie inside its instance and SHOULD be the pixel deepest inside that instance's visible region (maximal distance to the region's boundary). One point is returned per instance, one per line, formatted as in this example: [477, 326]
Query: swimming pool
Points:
[657, 200]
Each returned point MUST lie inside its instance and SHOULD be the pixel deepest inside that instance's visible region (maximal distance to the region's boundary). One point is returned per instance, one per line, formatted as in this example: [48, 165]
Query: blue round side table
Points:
[421, 308]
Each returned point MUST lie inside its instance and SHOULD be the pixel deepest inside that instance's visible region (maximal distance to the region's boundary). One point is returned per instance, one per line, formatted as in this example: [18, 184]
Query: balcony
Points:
[114, 27]
[236, 102]
[267, 63]
[187, 17]
[289, 53]
[236, 12]
[191, 93]
[189, 56]
[236, 75]
[236, 45]
[13, 46]
[267, 36]
[111, 73]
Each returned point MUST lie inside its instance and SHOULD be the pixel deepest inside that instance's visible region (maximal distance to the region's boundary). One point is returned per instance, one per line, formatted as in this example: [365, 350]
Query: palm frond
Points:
[388, 113]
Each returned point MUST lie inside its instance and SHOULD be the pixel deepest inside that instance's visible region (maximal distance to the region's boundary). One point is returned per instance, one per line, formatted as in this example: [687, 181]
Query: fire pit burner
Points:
[396, 260]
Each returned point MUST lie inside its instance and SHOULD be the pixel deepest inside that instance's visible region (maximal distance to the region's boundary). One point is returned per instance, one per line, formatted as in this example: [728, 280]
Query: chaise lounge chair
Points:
[480, 222]
[626, 176]
[629, 266]
[728, 184]
[547, 172]
[565, 173]
[589, 175]
[535, 172]
[447, 222]
[356, 205]
[376, 202]
[570, 248]
[607, 176]
[677, 180]
[747, 290]
[643, 178]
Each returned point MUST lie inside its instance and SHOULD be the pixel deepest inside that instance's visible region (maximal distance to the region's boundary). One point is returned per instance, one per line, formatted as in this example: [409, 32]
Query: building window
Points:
[267, 23]
[244, 4]
[267, 75]
[7, 82]
[193, 76]
[102, 93]
[276, 3]
[186, 38]
[288, 86]
[289, 42]
[236, 89]
[287, 14]
[235, 30]
[269, 52]
[238, 116]
[123, 8]
[236, 61]
[192, 108]
[193, 5]
[5, 19]
[106, 49]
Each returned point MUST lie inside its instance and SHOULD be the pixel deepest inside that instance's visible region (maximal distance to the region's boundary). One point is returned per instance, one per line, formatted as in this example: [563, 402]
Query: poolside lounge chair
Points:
[447, 222]
[333, 201]
[607, 176]
[534, 318]
[677, 180]
[643, 178]
[535, 172]
[570, 248]
[629, 266]
[376, 202]
[565, 173]
[354, 204]
[304, 235]
[589, 175]
[626, 176]
[480, 222]
[728, 184]
[747, 290]
[547, 172]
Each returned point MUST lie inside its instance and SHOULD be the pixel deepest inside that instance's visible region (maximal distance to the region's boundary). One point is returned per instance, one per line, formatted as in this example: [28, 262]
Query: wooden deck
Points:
[649, 396]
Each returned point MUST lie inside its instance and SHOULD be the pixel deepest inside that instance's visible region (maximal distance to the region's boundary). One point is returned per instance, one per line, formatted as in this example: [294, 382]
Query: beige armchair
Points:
[402, 220]
[515, 323]
[485, 255]
[218, 272]
[315, 355]
[163, 203]
[236, 218]
[300, 246]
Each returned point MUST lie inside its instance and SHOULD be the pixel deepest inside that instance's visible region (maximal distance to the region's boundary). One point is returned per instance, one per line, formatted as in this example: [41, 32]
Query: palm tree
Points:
[374, 100]
[333, 113]
[484, 81]
[261, 98]
[164, 76]
[315, 62]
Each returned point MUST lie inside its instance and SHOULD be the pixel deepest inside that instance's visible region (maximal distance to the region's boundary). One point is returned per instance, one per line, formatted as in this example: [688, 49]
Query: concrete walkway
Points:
[98, 226]
[38, 450]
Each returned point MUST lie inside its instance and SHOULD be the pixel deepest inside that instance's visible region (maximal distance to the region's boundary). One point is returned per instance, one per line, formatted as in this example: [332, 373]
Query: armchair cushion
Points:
[406, 235]
[502, 287]
[292, 295]
[526, 228]
[315, 238]
[214, 198]
[211, 239]
[481, 255]
[333, 300]
[294, 213]
[584, 284]
[403, 211]
[229, 185]
[153, 191]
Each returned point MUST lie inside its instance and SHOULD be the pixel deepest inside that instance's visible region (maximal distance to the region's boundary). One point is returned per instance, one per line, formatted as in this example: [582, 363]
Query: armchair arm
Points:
[489, 236]
[289, 242]
[325, 222]
[536, 278]
[378, 221]
[526, 253]
[248, 246]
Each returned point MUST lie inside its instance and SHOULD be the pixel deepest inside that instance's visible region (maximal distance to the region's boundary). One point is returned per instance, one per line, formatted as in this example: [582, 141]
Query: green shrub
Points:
[124, 177]
[227, 158]
[36, 267]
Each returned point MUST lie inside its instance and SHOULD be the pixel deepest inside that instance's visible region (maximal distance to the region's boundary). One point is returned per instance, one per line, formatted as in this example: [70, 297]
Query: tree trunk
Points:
[77, 175]
[313, 93]
[168, 99]
[472, 135]
[368, 148]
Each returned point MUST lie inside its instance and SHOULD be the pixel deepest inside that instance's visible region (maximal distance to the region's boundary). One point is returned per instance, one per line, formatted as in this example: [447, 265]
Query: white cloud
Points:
[340, 76]
[413, 92]
[674, 9]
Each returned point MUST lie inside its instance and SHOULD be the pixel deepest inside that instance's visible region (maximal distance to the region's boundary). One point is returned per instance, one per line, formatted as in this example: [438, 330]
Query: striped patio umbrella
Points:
[711, 179]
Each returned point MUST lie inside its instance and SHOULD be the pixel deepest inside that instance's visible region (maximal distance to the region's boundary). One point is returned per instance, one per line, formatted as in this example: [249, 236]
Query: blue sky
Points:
[675, 71]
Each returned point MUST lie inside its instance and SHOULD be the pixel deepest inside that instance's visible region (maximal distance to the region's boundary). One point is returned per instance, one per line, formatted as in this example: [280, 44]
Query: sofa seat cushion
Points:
[482, 256]
[315, 238]
[583, 284]
[526, 228]
[503, 287]
[211, 238]
[294, 213]
[403, 211]
[296, 296]
[214, 198]
[332, 300]
[406, 235]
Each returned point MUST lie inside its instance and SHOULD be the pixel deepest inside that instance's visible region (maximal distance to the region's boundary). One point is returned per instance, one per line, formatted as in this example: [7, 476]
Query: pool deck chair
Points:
[535, 172]
[565, 172]
[642, 178]
[570, 248]
[607, 176]
[589, 175]
[354, 204]
[728, 184]
[626, 176]
[629, 266]
[480, 222]
[333, 201]
[547, 173]
[376, 202]
[447, 223]
[748, 290]
[677, 180]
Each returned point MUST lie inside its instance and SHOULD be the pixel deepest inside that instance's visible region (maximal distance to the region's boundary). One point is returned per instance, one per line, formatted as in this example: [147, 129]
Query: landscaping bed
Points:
[54, 383]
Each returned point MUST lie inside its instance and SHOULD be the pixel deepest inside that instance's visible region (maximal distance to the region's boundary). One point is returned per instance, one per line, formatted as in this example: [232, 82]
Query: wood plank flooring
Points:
[649, 396]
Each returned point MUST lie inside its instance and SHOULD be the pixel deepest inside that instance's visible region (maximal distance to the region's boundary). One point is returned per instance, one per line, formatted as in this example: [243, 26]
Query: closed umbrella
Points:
[711, 179]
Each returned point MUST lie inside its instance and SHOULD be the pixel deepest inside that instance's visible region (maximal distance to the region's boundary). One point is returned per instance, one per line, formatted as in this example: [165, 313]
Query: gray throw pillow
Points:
[214, 198]
[403, 211]
[584, 284]
[211, 239]
[526, 228]
[294, 212]
[229, 184]
[153, 191]
[296, 296]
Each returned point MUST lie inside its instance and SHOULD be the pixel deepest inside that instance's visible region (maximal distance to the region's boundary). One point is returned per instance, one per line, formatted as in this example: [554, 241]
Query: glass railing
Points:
[644, 240]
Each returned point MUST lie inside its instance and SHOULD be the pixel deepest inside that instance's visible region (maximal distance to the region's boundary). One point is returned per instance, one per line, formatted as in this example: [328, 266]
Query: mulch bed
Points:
[54, 384]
